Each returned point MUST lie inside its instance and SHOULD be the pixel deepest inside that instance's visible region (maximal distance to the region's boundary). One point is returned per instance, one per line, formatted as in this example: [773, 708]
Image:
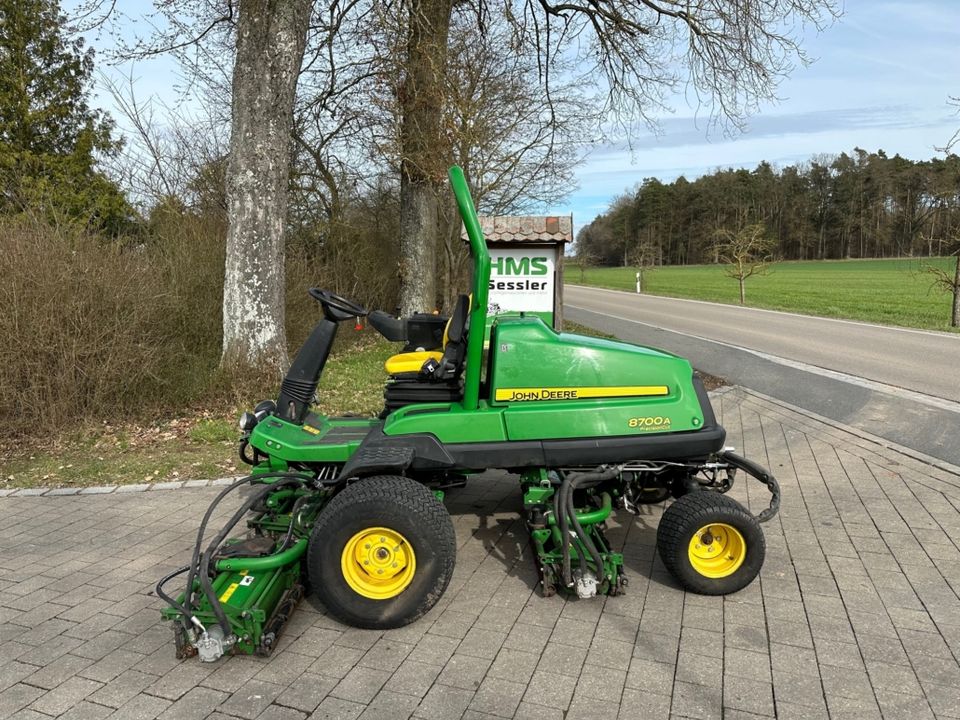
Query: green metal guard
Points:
[481, 288]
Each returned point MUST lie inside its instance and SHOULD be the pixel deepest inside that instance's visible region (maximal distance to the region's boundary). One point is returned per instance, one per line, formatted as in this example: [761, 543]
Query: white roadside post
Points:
[638, 283]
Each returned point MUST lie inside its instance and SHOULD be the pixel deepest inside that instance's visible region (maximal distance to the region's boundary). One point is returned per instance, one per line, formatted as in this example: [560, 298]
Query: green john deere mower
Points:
[352, 508]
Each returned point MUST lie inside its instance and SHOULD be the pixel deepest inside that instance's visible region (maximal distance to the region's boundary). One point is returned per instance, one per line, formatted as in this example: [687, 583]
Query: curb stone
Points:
[107, 489]
[96, 490]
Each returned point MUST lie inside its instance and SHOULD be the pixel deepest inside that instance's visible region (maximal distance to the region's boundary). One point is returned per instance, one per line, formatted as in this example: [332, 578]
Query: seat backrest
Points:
[455, 341]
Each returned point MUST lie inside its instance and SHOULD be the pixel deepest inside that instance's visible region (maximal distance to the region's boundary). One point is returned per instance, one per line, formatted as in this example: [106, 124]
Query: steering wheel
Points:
[335, 307]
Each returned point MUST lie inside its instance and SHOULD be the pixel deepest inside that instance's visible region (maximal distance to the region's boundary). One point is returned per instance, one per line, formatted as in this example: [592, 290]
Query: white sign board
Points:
[521, 279]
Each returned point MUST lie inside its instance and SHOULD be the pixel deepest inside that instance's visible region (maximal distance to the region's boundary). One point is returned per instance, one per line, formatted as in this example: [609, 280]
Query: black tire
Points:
[680, 524]
[404, 506]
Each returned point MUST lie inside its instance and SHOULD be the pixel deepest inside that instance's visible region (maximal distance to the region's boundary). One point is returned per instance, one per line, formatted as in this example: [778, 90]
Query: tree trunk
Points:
[271, 36]
[955, 315]
[423, 161]
[743, 293]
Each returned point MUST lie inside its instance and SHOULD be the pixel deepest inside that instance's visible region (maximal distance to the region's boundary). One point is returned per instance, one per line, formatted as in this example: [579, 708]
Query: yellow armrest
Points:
[410, 362]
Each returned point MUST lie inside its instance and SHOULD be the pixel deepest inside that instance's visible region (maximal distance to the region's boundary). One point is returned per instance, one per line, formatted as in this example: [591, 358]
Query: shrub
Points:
[96, 329]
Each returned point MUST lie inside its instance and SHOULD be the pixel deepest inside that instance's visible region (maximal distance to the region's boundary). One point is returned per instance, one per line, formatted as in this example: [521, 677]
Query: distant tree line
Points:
[857, 205]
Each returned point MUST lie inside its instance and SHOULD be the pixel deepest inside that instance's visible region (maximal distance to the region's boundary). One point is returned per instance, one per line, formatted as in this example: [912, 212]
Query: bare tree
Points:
[271, 38]
[644, 256]
[948, 282]
[586, 258]
[955, 138]
[746, 253]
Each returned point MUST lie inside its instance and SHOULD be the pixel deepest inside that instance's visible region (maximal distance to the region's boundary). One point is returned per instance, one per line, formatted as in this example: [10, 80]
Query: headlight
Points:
[247, 422]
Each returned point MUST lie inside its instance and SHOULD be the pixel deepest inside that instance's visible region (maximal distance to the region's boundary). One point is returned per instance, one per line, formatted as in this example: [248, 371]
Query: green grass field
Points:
[892, 292]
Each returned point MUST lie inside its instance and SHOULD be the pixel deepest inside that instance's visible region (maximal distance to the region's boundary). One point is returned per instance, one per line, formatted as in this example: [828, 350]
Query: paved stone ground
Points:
[855, 614]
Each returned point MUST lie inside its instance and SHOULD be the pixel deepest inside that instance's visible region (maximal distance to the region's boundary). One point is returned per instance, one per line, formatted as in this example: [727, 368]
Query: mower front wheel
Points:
[382, 552]
[710, 543]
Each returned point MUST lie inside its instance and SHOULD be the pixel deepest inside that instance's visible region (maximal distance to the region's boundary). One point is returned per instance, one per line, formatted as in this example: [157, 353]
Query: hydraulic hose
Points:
[186, 619]
[585, 539]
[294, 518]
[753, 469]
[195, 558]
[565, 514]
[204, 569]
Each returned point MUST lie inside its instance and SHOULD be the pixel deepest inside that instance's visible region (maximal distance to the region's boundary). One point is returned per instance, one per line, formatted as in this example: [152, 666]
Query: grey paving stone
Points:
[499, 697]
[551, 690]
[894, 678]
[13, 672]
[434, 649]
[600, 684]
[65, 696]
[615, 654]
[797, 689]
[652, 677]
[945, 701]
[360, 684]
[284, 668]
[180, 679]
[789, 711]
[513, 664]
[390, 706]
[413, 678]
[196, 704]
[56, 672]
[588, 708]
[122, 688]
[562, 659]
[697, 701]
[747, 694]
[464, 671]
[336, 661]
[529, 711]
[333, 708]
[231, 674]
[842, 706]
[639, 705]
[386, 654]
[111, 665]
[482, 643]
[527, 637]
[898, 705]
[307, 692]
[16, 697]
[251, 699]
[747, 664]
[444, 702]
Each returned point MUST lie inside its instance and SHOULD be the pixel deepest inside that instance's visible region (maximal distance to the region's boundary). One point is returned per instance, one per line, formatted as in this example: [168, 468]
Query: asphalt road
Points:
[899, 384]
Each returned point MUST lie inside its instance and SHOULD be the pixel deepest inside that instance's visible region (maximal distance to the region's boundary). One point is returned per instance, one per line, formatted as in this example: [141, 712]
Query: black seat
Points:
[438, 380]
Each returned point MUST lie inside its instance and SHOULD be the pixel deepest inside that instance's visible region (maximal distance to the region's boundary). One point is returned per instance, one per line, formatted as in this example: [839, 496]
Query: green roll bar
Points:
[481, 288]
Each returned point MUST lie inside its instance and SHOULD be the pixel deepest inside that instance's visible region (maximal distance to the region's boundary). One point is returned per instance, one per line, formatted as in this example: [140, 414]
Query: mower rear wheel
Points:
[710, 543]
[382, 552]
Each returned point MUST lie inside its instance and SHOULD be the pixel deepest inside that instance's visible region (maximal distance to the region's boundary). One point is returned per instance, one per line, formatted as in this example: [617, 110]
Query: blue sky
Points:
[881, 78]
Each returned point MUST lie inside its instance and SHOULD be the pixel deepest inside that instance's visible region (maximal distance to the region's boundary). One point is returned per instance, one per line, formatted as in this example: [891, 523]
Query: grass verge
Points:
[192, 445]
[891, 292]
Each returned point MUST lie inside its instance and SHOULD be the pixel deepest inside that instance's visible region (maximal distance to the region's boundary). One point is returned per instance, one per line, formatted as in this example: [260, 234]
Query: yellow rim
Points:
[378, 563]
[717, 550]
